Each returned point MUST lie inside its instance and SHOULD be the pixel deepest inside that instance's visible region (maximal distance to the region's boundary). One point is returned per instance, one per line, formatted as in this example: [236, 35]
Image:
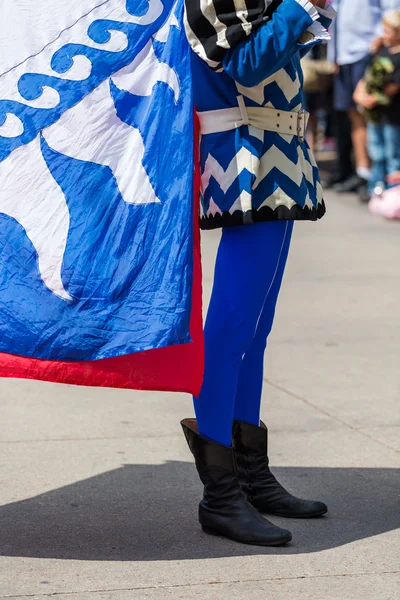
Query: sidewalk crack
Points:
[328, 414]
[200, 584]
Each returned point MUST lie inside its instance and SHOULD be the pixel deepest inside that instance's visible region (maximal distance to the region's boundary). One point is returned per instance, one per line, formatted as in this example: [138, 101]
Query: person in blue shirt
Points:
[355, 28]
[258, 176]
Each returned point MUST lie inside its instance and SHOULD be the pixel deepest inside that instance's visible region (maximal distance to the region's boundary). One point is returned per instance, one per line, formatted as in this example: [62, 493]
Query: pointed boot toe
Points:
[292, 507]
[259, 484]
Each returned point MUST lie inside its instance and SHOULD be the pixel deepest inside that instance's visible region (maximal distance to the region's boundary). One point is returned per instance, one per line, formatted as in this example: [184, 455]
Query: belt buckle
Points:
[301, 125]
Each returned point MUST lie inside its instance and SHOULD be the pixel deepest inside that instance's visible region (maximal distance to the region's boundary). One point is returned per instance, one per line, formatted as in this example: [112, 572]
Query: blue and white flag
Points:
[96, 180]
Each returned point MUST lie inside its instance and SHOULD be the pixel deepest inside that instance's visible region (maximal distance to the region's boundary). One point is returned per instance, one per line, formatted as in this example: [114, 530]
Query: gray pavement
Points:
[98, 495]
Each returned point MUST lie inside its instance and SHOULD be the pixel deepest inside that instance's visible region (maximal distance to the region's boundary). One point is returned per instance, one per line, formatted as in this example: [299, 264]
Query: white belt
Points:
[261, 117]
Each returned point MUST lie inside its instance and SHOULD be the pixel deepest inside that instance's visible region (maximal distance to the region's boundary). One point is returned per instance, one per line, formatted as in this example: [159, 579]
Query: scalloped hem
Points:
[282, 213]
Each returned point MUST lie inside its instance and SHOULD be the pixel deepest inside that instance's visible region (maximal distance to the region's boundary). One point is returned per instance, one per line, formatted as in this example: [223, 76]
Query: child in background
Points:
[387, 203]
[378, 93]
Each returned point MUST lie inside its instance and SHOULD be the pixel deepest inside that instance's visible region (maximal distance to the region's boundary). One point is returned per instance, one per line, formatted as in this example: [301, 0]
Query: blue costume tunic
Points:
[249, 174]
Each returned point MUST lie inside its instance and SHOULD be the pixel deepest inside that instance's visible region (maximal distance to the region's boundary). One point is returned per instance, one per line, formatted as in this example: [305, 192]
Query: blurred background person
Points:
[317, 98]
[355, 29]
[378, 93]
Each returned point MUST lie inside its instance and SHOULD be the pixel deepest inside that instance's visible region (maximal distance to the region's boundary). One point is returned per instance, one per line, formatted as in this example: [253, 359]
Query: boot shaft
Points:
[215, 466]
[251, 458]
[207, 452]
[248, 437]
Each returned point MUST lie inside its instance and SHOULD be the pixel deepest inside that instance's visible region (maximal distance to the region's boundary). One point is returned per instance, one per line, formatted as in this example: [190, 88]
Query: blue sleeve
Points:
[270, 48]
[325, 21]
[304, 49]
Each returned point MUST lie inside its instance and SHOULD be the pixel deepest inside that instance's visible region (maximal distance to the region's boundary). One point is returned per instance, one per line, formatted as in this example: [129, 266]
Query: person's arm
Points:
[318, 32]
[377, 44]
[362, 98]
[273, 45]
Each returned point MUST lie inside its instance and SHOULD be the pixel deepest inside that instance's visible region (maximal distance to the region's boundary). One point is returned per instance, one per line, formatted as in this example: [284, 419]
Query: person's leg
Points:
[246, 266]
[345, 83]
[376, 148]
[250, 436]
[359, 139]
[329, 131]
[249, 390]
[391, 135]
[342, 131]
[342, 127]
[358, 123]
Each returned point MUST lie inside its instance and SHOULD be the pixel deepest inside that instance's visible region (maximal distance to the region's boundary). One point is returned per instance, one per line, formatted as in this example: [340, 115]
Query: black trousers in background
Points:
[342, 133]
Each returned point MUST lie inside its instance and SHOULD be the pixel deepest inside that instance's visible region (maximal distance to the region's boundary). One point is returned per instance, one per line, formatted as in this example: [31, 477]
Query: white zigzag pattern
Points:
[244, 159]
[273, 158]
[318, 186]
[289, 88]
[278, 198]
[242, 203]
[306, 167]
[320, 192]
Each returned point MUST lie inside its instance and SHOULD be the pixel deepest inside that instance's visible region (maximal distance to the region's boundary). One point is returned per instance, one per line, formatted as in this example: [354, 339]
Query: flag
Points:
[99, 244]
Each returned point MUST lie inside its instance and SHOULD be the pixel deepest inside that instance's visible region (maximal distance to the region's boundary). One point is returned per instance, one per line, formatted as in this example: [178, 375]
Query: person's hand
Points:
[362, 98]
[394, 178]
[368, 101]
[376, 45]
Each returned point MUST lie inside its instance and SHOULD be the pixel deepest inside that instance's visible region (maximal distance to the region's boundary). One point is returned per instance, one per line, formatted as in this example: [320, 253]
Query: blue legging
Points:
[248, 275]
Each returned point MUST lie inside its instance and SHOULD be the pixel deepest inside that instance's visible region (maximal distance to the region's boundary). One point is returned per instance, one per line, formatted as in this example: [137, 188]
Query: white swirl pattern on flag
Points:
[39, 81]
[64, 120]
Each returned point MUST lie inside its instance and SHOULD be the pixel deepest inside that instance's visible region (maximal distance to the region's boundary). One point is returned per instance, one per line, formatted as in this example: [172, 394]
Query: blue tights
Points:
[248, 275]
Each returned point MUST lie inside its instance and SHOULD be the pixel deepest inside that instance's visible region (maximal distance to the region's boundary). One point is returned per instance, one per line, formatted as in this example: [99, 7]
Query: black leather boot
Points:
[224, 509]
[262, 490]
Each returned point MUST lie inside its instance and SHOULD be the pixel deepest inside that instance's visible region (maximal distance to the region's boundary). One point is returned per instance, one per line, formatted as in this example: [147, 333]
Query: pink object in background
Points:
[387, 205]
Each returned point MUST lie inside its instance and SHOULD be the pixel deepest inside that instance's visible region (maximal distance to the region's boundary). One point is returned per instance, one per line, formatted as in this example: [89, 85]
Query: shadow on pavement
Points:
[149, 512]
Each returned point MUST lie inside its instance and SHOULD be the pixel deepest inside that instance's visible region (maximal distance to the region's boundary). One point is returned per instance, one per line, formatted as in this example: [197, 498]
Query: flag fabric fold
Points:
[100, 277]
